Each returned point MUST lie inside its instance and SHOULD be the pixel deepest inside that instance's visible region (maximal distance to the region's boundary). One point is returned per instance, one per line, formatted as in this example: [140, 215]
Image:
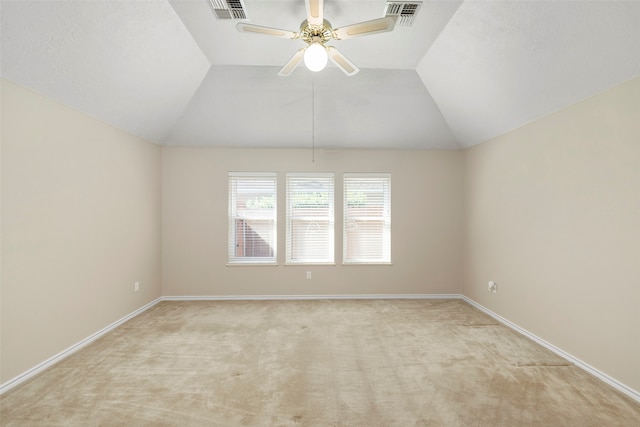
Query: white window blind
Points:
[252, 217]
[367, 218]
[310, 218]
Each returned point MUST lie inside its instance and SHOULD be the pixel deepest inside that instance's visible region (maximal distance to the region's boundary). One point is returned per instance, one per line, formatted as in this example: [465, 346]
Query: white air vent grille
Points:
[228, 9]
[405, 11]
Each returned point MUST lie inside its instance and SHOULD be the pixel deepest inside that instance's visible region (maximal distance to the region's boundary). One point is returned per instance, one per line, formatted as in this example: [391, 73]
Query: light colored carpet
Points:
[315, 363]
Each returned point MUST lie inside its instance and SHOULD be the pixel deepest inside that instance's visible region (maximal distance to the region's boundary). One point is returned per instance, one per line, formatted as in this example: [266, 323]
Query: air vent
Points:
[228, 9]
[404, 10]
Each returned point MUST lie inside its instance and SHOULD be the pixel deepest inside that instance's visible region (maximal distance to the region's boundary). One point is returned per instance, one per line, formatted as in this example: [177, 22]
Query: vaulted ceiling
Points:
[462, 73]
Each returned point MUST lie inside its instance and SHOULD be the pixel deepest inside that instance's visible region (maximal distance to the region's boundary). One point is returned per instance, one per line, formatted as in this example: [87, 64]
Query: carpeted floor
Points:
[315, 363]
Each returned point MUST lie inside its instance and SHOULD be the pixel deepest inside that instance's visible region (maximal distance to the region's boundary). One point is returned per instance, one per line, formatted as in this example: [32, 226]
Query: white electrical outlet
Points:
[308, 275]
[492, 286]
[136, 287]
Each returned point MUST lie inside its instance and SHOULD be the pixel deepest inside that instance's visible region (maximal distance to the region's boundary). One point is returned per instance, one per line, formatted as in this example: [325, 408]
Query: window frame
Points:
[270, 179]
[385, 218]
[328, 177]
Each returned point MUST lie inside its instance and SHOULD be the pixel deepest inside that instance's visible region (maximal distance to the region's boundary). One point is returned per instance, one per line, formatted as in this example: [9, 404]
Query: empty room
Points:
[320, 213]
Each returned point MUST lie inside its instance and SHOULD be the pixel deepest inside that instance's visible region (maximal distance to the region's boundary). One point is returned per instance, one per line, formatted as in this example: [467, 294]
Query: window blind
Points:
[310, 218]
[252, 217]
[367, 218]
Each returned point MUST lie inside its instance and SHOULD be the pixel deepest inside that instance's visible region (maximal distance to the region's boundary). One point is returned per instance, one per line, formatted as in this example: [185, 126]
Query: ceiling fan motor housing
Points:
[310, 33]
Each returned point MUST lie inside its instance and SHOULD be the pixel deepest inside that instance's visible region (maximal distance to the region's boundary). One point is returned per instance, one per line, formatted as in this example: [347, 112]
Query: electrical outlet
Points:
[136, 287]
[308, 275]
[492, 286]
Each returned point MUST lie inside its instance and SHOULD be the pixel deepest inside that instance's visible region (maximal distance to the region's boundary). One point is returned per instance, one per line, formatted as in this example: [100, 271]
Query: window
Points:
[310, 218]
[252, 218]
[367, 218]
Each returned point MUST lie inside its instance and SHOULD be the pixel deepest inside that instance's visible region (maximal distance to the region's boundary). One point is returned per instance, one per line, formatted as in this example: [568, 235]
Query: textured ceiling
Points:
[132, 64]
[500, 65]
[401, 49]
[348, 115]
[172, 73]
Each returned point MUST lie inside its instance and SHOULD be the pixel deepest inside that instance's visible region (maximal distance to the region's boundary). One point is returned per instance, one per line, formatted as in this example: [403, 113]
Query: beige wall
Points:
[550, 211]
[426, 223]
[553, 215]
[80, 224]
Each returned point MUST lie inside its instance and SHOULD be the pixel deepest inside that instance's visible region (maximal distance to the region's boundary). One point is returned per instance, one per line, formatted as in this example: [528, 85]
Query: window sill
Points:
[382, 264]
[251, 264]
[302, 264]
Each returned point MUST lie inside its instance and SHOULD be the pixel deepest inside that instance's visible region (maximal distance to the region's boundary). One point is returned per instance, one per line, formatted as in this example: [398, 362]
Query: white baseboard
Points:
[634, 394]
[307, 297]
[69, 351]
[58, 357]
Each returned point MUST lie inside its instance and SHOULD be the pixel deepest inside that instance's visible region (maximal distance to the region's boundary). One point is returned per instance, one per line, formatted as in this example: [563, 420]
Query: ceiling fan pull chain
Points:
[313, 119]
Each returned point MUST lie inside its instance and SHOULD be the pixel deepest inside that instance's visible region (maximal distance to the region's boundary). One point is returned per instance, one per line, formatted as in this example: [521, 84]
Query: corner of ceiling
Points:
[421, 74]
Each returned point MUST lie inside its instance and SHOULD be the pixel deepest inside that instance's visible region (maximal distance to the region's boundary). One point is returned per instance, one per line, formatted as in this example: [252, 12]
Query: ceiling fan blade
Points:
[244, 27]
[315, 11]
[380, 25]
[292, 63]
[341, 61]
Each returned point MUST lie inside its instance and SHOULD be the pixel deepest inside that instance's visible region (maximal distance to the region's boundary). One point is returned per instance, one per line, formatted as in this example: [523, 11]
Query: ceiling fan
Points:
[316, 32]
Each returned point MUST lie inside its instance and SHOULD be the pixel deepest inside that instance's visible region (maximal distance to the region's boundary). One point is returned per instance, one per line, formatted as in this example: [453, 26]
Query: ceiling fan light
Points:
[315, 56]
